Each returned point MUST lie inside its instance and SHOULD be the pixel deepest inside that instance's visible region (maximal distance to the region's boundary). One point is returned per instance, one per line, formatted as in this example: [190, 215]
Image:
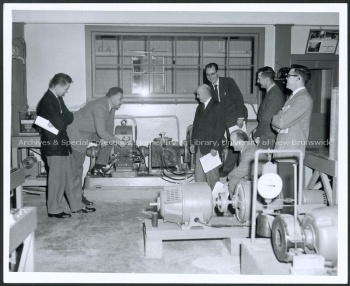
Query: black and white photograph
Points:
[175, 143]
[322, 41]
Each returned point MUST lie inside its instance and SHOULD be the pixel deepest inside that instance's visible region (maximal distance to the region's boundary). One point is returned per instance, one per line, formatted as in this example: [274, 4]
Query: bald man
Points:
[208, 128]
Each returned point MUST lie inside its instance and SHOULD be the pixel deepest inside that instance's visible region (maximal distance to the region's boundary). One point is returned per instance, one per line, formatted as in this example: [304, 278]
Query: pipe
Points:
[295, 203]
[255, 181]
[166, 116]
[334, 124]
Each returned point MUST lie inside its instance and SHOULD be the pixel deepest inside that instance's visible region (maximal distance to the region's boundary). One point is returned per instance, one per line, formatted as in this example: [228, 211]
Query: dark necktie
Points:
[59, 102]
[216, 92]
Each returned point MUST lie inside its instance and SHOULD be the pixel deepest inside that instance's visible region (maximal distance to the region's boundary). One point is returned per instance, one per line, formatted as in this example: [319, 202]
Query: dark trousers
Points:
[211, 177]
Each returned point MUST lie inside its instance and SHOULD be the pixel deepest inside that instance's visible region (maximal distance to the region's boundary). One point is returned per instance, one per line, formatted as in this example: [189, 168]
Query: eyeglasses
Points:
[211, 74]
[289, 75]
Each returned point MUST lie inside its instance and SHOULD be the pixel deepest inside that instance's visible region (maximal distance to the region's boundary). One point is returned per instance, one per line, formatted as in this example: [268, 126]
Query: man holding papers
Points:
[208, 129]
[55, 147]
[226, 91]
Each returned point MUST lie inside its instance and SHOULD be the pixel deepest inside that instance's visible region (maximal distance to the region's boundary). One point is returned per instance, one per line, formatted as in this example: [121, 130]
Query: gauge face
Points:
[269, 185]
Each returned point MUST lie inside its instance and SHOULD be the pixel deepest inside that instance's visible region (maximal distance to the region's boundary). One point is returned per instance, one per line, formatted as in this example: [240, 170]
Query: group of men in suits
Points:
[283, 125]
[221, 108]
[64, 151]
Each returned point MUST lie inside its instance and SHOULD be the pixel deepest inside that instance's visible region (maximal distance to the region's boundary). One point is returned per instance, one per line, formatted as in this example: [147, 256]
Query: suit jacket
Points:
[272, 103]
[93, 121]
[232, 100]
[295, 115]
[245, 167]
[208, 127]
[49, 108]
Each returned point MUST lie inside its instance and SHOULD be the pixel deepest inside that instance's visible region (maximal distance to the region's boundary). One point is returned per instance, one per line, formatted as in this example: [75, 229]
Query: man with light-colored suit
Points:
[272, 103]
[244, 171]
[292, 122]
[95, 121]
[226, 91]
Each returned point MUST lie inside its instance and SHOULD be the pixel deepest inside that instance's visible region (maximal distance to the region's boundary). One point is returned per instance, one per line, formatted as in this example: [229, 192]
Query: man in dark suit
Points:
[207, 132]
[95, 121]
[62, 176]
[272, 103]
[226, 91]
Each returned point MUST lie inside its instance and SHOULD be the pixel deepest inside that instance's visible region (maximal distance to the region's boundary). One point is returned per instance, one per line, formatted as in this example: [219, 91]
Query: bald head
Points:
[203, 93]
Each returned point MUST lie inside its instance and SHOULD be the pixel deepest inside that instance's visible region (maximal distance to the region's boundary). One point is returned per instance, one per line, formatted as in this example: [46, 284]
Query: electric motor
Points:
[317, 233]
[320, 229]
[29, 162]
[242, 202]
[183, 203]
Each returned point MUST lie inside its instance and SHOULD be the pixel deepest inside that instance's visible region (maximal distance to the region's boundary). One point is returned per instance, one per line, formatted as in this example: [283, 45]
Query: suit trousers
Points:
[212, 177]
[79, 158]
[63, 179]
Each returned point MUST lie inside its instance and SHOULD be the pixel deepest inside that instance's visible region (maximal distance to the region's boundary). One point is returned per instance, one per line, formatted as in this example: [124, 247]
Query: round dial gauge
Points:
[270, 185]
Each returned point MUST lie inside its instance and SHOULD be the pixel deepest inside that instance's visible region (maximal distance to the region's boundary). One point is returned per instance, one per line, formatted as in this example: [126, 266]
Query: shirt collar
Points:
[109, 104]
[53, 92]
[296, 91]
[217, 82]
[270, 87]
[206, 102]
[244, 147]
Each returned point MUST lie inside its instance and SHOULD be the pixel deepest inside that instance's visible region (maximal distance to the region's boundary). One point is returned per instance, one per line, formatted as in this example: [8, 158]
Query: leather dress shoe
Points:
[97, 172]
[60, 215]
[85, 210]
[86, 201]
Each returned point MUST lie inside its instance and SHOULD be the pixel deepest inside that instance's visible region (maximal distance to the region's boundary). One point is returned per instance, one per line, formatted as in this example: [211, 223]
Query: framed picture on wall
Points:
[322, 42]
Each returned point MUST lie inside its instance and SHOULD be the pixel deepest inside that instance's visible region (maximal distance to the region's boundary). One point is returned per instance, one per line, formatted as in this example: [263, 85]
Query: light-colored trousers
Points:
[79, 159]
[63, 179]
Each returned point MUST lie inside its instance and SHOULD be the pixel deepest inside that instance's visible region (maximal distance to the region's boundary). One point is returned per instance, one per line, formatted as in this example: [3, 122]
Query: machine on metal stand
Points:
[308, 238]
[162, 162]
[186, 211]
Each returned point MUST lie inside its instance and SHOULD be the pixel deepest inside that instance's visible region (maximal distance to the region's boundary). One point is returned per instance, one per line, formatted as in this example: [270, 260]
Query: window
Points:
[167, 65]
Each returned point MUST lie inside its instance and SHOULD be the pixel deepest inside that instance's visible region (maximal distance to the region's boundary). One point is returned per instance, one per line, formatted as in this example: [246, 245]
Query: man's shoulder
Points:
[276, 90]
[251, 148]
[97, 103]
[275, 93]
[303, 95]
[48, 96]
[226, 79]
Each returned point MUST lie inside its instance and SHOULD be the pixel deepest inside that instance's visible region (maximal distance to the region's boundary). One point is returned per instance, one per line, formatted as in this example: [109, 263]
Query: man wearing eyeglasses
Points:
[226, 91]
[292, 122]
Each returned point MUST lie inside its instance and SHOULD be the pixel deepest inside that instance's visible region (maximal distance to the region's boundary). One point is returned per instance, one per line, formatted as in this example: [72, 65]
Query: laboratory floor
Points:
[111, 240]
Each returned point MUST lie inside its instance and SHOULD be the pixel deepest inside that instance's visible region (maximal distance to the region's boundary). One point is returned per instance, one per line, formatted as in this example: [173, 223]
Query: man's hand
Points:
[103, 143]
[213, 152]
[240, 123]
[276, 129]
[192, 148]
